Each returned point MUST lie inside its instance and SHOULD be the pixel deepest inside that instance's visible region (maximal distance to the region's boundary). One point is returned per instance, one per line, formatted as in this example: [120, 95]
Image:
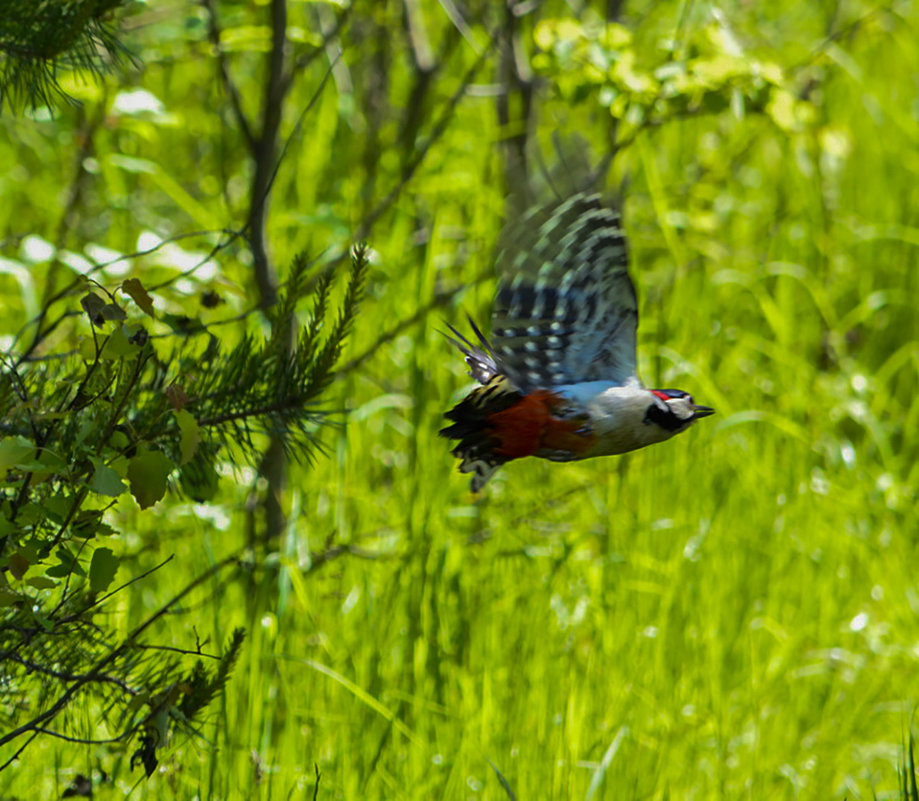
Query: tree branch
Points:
[440, 127]
[264, 148]
[96, 672]
[229, 85]
[440, 299]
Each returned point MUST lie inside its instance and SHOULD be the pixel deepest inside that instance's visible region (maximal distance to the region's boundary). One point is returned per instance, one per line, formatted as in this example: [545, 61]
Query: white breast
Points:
[617, 415]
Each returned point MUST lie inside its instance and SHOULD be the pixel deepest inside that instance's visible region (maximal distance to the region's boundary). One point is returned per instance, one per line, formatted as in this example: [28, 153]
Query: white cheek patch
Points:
[680, 409]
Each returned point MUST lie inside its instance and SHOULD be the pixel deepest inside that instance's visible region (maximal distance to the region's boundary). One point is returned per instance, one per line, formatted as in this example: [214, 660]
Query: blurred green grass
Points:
[731, 614]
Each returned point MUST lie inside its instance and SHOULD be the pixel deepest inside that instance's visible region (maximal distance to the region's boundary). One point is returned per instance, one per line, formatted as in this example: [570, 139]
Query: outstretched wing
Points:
[566, 310]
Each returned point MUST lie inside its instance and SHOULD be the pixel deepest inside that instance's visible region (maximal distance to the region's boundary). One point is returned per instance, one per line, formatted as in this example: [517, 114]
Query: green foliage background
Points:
[730, 614]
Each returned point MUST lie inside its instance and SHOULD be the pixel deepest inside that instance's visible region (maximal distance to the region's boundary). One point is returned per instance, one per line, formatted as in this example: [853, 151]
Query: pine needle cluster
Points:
[40, 40]
[148, 403]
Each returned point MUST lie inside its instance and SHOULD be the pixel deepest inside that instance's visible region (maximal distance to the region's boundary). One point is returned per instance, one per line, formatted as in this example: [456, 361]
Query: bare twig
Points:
[141, 577]
[36, 724]
[18, 751]
[299, 124]
[306, 59]
[65, 675]
[229, 85]
[173, 649]
[438, 130]
[79, 283]
[439, 299]
[89, 741]
[68, 219]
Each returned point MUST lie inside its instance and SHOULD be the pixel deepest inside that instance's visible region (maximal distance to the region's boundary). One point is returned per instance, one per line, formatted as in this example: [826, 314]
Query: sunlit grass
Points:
[731, 614]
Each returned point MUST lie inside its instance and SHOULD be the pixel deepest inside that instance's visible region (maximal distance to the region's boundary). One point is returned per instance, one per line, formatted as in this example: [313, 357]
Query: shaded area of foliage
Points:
[282, 383]
[140, 406]
[41, 40]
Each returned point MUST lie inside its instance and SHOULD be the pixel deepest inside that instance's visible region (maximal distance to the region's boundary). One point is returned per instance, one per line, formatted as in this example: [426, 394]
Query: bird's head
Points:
[673, 410]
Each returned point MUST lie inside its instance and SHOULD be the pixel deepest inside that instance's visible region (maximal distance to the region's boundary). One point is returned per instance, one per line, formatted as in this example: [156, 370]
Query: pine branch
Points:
[266, 390]
[39, 40]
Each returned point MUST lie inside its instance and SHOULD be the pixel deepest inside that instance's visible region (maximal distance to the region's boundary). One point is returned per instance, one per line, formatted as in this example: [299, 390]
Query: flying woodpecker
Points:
[558, 377]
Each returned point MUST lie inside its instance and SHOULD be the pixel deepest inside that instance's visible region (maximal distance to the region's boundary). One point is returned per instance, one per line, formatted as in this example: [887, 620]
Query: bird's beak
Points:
[701, 411]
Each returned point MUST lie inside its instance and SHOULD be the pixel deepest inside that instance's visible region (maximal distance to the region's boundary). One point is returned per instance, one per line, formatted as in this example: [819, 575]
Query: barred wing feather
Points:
[566, 310]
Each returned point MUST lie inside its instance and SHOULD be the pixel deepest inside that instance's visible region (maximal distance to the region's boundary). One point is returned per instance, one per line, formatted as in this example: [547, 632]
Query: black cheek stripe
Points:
[665, 418]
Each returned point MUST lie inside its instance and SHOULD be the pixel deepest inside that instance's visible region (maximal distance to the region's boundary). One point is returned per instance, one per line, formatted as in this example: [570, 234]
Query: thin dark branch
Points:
[87, 741]
[299, 123]
[440, 299]
[232, 236]
[440, 127]
[308, 58]
[78, 283]
[229, 85]
[141, 577]
[93, 674]
[263, 155]
[66, 675]
[836, 35]
[173, 649]
[18, 751]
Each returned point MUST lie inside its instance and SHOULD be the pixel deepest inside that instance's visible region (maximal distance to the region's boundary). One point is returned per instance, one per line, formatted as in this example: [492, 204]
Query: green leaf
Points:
[191, 436]
[89, 428]
[105, 481]
[68, 564]
[102, 569]
[112, 311]
[16, 451]
[8, 597]
[29, 514]
[47, 464]
[99, 311]
[88, 524]
[139, 295]
[92, 304]
[19, 564]
[119, 440]
[41, 583]
[117, 345]
[147, 473]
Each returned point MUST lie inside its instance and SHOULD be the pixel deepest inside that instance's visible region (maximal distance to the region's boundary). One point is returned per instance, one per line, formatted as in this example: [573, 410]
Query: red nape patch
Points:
[662, 395]
[519, 428]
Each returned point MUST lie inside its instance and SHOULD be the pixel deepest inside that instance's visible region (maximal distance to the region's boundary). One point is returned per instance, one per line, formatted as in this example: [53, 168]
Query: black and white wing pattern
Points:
[566, 310]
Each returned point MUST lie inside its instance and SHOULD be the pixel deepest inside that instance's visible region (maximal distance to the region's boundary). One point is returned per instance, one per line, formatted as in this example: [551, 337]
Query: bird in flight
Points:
[558, 377]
